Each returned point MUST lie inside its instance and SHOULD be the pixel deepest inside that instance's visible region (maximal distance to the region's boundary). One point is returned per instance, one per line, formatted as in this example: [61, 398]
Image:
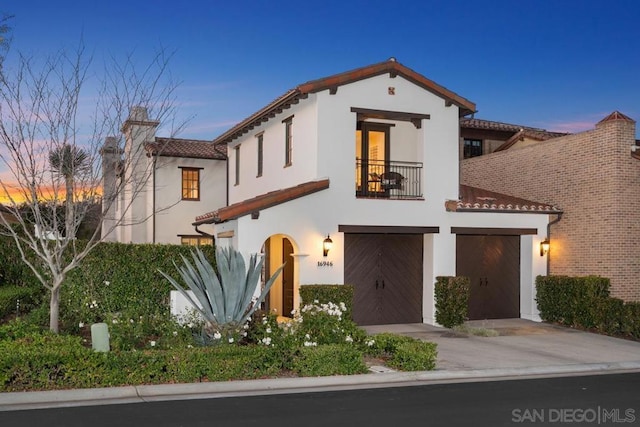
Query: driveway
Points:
[521, 343]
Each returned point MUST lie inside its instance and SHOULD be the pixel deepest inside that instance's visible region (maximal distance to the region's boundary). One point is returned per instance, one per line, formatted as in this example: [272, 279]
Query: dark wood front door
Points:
[492, 263]
[287, 277]
[386, 272]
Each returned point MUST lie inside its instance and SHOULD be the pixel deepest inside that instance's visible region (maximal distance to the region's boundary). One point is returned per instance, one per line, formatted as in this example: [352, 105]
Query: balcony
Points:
[377, 179]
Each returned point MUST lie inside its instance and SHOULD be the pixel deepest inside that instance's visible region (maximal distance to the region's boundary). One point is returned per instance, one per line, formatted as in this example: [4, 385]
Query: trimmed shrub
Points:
[120, 278]
[630, 325]
[585, 302]
[18, 299]
[452, 300]
[44, 361]
[571, 301]
[328, 293]
[414, 356]
[331, 359]
[386, 344]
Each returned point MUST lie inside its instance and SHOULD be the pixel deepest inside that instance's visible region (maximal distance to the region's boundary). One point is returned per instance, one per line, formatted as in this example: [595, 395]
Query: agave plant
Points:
[225, 298]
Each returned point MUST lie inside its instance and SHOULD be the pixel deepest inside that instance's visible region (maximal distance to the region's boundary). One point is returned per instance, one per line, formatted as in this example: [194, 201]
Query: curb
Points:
[154, 393]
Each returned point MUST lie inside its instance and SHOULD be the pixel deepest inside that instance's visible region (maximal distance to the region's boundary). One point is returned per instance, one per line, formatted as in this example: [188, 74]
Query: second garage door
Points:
[493, 265]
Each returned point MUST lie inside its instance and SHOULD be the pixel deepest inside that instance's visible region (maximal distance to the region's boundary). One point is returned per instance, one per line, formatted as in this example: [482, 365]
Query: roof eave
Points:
[293, 96]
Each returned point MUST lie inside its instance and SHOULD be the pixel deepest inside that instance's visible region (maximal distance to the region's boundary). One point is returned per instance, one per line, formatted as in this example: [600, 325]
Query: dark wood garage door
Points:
[493, 265]
[386, 271]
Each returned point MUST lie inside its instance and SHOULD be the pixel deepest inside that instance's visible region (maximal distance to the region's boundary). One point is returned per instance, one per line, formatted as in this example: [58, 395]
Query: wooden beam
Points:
[494, 231]
[384, 229]
[367, 113]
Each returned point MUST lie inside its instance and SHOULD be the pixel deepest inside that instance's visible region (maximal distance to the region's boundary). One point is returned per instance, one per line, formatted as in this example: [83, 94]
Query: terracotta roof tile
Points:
[185, 148]
[293, 96]
[474, 199]
[469, 123]
[262, 201]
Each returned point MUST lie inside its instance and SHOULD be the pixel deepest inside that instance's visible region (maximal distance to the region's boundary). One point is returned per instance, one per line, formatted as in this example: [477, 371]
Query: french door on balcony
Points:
[372, 157]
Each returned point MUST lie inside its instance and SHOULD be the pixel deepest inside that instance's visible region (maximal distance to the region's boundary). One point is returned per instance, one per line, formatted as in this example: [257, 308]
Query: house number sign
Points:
[325, 263]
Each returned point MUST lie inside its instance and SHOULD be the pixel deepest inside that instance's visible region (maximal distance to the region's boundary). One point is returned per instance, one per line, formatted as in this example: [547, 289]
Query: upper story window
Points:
[260, 153]
[236, 152]
[472, 148]
[288, 140]
[190, 184]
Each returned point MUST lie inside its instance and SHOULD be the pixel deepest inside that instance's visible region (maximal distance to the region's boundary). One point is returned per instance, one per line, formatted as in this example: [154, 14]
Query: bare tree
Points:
[5, 30]
[54, 121]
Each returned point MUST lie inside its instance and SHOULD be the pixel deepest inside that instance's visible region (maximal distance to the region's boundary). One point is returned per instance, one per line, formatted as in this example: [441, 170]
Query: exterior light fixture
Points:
[544, 247]
[326, 245]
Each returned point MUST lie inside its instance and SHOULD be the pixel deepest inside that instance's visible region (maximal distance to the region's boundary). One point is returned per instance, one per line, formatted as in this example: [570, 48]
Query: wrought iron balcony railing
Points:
[388, 179]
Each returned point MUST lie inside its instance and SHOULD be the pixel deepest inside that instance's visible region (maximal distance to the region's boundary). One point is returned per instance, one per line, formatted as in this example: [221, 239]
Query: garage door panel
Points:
[493, 265]
[386, 271]
[402, 275]
[361, 271]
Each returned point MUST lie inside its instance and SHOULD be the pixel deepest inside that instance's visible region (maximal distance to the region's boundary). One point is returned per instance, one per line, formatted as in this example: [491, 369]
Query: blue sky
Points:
[557, 64]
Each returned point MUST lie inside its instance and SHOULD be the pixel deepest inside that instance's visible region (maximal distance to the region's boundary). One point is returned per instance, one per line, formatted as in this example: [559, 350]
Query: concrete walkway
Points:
[521, 343]
[523, 349]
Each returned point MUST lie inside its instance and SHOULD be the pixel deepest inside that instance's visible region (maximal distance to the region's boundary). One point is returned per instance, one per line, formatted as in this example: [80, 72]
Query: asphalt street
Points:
[583, 400]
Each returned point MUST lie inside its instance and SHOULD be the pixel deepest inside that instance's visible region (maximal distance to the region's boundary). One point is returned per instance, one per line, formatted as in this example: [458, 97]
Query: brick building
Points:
[594, 176]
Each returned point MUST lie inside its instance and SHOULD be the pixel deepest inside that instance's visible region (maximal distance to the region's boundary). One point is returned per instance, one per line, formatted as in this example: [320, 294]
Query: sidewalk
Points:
[524, 349]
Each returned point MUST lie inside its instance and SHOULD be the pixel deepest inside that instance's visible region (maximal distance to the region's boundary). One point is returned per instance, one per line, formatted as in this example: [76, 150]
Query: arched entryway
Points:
[279, 249]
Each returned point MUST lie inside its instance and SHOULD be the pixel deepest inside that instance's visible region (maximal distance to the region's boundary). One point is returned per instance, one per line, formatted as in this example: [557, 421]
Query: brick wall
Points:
[593, 178]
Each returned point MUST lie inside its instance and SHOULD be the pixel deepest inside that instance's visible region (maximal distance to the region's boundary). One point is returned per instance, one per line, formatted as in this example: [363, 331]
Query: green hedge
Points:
[571, 300]
[328, 293]
[13, 271]
[585, 302]
[414, 356]
[117, 277]
[48, 362]
[330, 359]
[452, 300]
[18, 299]
[404, 353]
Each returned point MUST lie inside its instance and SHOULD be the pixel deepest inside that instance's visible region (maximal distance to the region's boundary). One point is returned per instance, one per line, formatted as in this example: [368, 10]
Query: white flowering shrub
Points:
[129, 331]
[313, 325]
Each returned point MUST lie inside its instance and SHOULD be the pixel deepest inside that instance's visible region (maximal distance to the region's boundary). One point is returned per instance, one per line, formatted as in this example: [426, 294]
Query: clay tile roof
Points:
[472, 123]
[262, 201]
[293, 96]
[616, 115]
[474, 199]
[185, 148]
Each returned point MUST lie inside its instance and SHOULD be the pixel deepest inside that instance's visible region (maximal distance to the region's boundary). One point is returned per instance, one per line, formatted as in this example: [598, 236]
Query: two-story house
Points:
[155, 185]
[354, 178]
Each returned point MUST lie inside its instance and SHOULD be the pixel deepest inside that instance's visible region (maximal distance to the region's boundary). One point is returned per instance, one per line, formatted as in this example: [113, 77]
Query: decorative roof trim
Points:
[478, 200]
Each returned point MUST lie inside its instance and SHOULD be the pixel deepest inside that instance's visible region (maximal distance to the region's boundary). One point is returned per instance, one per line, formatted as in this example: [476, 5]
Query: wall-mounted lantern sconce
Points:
[544, 247]
[326, 245]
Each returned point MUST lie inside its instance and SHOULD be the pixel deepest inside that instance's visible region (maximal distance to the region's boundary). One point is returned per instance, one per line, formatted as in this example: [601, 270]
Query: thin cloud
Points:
[579, 124]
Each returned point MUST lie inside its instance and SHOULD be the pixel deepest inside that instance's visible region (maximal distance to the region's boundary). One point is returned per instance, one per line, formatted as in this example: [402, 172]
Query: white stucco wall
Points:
[275, 175]
[174, 216]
